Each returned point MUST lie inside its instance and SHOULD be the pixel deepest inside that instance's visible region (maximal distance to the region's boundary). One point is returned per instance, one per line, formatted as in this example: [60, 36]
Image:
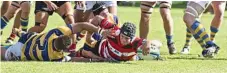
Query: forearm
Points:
[47, 2]
[78, 27]
[80, 59]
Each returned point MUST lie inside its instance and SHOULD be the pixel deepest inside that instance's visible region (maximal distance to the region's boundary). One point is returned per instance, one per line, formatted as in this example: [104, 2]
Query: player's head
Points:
[100, 9]
[62, 43]
[128, 31]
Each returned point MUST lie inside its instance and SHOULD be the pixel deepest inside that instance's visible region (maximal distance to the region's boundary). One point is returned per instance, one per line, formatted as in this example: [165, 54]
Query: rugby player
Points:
[99, 9]
[121, 46]
[147, 9]
[193, 12]
[83, 12]
[43, 9]
[47, 46]
[219, 8]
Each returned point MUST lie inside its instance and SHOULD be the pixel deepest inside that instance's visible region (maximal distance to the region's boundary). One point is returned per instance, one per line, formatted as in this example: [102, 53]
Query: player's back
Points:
[112, 48]
[41, 46]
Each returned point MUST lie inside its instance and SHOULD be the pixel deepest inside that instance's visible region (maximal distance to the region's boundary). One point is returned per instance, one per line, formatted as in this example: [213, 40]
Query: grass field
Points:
[172, 64]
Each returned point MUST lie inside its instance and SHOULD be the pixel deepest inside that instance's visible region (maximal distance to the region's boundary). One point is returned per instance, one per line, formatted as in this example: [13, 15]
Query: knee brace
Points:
[24, 2]
[16, 4]
[147, 7]
[195, 9]
[165, 5]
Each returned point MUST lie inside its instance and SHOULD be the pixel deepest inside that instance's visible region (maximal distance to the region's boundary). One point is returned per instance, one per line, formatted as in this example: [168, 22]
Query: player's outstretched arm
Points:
[145, 47]
[78, 27]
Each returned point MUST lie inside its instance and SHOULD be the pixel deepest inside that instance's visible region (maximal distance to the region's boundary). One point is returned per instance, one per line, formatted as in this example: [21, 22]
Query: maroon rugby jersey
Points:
[111, 47]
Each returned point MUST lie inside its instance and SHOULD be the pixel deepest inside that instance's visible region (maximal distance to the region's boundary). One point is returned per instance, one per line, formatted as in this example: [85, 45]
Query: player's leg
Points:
[186, 48]
[215, 24]
[146, 10]
[66, 12]
[11, 53]
[13, 9]
[41, 17]
[16, 24]
[219, 8]
[90, 40]
[189, 35]
[168, 24]
[194, 10]
[112, 6]
[25, 8]
[79, 17]
[82, 15]
[4, 7]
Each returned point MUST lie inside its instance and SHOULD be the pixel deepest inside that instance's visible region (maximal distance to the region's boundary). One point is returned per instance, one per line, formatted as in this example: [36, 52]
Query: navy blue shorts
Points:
[41, 6]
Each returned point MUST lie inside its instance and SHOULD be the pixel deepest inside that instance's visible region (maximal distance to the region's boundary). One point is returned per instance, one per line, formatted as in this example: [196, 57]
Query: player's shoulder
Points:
[62, 30]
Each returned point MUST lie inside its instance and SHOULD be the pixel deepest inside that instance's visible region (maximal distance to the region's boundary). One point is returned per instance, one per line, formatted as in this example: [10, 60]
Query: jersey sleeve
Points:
[137, 42]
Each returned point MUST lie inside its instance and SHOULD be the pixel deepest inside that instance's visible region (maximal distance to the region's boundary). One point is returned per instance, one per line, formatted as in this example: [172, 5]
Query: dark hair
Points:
[62, 42]
[128, 29]
[98, 8]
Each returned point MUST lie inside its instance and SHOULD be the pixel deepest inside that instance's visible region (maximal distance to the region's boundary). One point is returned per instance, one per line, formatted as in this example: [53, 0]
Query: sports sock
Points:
[213, 32]
[24, 23]
[188, 38]
[169, 38]
[4, 22]
[200, 31]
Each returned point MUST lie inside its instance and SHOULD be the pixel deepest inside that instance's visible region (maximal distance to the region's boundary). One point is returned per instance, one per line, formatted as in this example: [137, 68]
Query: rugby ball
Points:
[154, 51]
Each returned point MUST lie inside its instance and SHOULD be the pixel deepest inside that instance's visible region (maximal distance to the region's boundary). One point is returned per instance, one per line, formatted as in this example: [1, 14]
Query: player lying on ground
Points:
[44, 9]
[193, 12]
[121, 46]
[47, 46]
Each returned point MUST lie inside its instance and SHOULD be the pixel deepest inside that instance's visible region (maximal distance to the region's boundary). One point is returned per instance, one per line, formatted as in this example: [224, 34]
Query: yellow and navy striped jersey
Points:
[41, 46]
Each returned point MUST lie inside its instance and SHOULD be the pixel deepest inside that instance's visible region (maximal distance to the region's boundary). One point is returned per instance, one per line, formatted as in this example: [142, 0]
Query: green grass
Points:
[172, 64]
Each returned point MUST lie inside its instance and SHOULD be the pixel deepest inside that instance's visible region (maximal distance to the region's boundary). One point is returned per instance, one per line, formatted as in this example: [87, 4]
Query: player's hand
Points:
[146, 48]
[108, 33]
[15, 30]
[51, 6]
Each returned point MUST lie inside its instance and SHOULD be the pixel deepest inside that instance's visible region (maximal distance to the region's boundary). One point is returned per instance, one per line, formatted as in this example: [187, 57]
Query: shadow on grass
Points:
[111, 62]
[196, 58]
